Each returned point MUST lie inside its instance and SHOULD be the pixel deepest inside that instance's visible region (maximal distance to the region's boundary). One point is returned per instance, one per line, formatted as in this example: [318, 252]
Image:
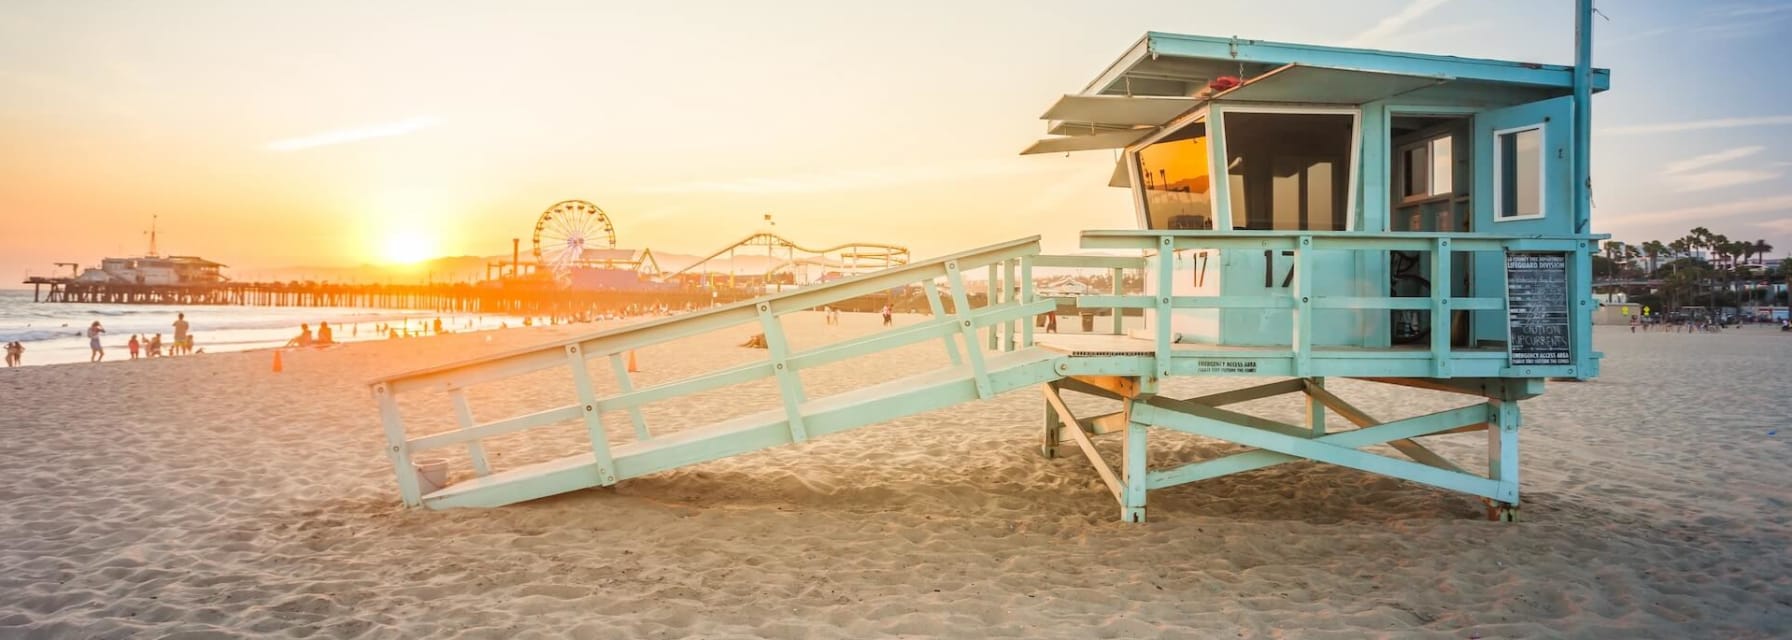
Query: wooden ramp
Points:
[832, 414]
[979, 369]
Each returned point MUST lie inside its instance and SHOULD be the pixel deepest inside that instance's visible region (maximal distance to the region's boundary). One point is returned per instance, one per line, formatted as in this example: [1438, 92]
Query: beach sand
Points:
[209, 496]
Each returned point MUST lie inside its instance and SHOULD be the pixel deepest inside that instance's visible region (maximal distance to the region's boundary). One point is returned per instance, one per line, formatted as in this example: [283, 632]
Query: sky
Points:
[264, 134]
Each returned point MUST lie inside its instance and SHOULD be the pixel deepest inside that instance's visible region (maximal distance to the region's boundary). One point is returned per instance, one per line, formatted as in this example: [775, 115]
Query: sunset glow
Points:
[610, 103]
[406, 247]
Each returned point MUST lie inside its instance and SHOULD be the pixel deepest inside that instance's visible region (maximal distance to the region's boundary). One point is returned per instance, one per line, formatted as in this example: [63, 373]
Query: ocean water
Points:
[54, 332]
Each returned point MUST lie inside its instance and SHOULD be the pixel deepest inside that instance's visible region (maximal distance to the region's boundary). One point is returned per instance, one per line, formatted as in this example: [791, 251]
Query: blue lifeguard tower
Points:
[1304, 213]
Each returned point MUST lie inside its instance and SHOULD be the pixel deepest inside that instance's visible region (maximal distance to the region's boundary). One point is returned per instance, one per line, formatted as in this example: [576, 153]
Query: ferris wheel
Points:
[565, 231]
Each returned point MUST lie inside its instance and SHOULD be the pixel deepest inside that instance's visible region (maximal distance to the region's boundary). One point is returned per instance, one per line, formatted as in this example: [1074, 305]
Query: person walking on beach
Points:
[93, 342]
[324, 334]
[887, 320]
[15, 352]
[134, 345]
[1051, 321]
[180, 335]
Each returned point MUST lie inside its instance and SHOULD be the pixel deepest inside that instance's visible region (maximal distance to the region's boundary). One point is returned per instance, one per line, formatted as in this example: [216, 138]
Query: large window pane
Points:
[1521, 173]
[1289, 170]
[1178, 189]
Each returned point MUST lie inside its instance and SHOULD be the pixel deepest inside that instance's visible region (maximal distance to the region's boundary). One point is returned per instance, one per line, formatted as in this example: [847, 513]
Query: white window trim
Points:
[1542, 173]
[1132, 165]
[1222, 179]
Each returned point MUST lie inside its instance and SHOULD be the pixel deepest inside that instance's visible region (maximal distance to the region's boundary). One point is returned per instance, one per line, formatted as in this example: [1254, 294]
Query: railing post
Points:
[1581, 309]
[396, 448]
[1166, 270]
[1026, 297]
[1119, 318]
[626, 385]
[463, 414]
[1303, 307]
[1440, 307]
[790, 386]
[962, 304]
[1008, 296]
[593, 415]
[994, 298]
[939, 313]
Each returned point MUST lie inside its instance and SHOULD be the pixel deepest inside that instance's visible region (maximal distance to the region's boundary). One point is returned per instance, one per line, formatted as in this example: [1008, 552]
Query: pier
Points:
[522, 298]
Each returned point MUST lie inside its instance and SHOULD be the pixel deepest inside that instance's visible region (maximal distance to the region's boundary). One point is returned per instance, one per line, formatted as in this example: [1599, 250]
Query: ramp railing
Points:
[1298, 294]
[958, 328]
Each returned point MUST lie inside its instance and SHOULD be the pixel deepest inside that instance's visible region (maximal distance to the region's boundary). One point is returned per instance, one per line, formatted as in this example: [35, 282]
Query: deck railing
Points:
[963, 323]
[1303, 300]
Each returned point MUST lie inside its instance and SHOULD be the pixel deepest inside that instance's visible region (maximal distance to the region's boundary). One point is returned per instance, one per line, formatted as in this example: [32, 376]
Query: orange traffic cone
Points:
[277, 366]
[631, 362]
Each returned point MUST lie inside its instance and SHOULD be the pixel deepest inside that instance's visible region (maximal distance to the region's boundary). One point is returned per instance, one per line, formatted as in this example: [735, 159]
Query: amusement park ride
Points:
[1305, 212]
[575, 242]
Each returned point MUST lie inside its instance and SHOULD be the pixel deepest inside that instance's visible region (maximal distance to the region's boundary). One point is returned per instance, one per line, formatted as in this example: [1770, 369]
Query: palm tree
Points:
[1761, 251]
[1654, 249]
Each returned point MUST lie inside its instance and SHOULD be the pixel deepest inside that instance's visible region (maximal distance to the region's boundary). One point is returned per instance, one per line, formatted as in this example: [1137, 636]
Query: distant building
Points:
[156, 270]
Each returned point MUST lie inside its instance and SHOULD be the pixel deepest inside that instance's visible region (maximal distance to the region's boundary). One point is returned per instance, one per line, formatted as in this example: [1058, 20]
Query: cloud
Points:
[1738, 11]
[1703, 180]
[358, 134]
[1698, 125]
[1694, 174]
[850, 180]
[1782, 225]
[1393, 24]
[1711, 159]
[1704, 212]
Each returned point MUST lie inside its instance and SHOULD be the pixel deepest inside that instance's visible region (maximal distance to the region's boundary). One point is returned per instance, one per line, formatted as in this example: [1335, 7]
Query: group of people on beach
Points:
[324, 336]
[15, 352]
[183, 342]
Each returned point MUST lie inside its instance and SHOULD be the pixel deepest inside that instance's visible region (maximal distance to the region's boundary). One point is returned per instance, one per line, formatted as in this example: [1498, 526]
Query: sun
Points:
[405, 247]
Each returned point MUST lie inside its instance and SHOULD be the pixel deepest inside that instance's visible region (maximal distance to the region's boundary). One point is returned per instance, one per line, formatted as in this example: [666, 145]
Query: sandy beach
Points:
[210, 497]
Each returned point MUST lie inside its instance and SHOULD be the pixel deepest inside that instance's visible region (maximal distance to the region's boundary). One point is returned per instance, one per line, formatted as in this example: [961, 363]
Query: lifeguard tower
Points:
[1304, 213]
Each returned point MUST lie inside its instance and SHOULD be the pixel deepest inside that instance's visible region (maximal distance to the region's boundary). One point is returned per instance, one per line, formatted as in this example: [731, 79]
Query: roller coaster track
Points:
[847, 255]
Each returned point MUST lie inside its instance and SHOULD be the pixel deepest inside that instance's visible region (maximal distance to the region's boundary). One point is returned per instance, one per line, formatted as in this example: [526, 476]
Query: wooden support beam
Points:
[1315, 408]
[938, 308]
[1247, 394]
[1497, 388]
[1362, 419]
[1117, 386]
[1337, 448]
[625, 385]
[961, 307]
[790, 386]
[1088, 446]
[396, 447]
[1135, 474]
[594, 419]
[463, 415]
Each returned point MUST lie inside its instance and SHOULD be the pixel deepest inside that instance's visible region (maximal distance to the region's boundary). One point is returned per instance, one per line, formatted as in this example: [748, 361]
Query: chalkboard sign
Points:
[1537, 313]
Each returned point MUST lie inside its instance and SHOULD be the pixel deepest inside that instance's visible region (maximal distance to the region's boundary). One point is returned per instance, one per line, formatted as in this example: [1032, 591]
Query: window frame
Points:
[1139, 198]
[1499, 166]
[1430, 174]
[1222, 201]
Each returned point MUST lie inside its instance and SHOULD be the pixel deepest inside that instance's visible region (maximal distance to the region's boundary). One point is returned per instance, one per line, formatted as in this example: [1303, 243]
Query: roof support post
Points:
[1583, 114]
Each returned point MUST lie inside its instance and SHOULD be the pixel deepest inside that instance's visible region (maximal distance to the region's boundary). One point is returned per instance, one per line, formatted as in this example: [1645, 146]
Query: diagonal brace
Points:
[1362, 419]
[1338, 448]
